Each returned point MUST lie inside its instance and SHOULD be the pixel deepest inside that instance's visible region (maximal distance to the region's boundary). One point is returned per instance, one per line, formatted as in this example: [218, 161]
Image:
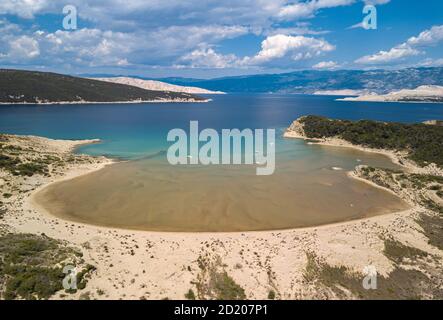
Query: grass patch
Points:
[343, 283]
[397, 252]
[29, 169]
[225, 287]
[215, 283]
[433, 229]
[16, 167]
[271, 295]
[190, 295]
[31, 266]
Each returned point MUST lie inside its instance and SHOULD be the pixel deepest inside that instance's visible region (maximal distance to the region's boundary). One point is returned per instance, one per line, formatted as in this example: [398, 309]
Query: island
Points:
[32, 87]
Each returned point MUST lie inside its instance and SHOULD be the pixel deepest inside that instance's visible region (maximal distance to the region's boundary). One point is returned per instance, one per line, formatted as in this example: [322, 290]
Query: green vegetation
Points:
[421, 181]
[15, 166]
[344, 283]
[418, 182]
[215, 283]
[271, 295]
[190, 295]
[226, 288]
[433, 229]
[431, 223]
[11, 162]
[397, 252]
[31, 266]
[32, 87]
[423, 142]
[8, 163]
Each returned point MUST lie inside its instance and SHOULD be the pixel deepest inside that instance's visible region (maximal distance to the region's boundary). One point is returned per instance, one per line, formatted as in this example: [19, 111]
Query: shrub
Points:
[271, 295]
[423, 142]
[190, 295]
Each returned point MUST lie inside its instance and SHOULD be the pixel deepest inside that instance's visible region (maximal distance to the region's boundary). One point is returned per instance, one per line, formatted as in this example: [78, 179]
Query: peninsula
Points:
[32, 87]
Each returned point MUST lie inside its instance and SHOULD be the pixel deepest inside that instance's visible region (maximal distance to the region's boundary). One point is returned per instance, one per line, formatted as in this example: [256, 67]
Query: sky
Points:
[215, 38]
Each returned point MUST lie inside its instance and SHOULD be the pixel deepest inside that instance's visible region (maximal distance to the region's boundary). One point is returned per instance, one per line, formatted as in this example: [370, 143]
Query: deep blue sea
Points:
[136, 130]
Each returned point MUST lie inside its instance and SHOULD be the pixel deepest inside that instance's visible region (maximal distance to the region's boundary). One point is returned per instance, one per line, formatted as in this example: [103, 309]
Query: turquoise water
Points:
[149, 194]
[134, 131]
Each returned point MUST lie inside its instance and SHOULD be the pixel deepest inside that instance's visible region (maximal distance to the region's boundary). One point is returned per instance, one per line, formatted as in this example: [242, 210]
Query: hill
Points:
[18, 86]
[311, 81]
[421, 94]
[423, 143]
[156, 85]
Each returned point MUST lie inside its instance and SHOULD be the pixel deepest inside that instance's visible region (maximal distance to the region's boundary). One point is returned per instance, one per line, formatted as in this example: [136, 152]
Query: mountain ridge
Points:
[34, 87]
[310, 81]
[156, 85]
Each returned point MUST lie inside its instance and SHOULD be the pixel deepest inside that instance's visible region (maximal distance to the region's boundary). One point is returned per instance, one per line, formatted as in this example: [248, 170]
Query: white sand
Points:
[259, 261]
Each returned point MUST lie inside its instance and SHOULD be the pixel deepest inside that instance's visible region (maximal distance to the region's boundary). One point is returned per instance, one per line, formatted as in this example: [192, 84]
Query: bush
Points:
[190, 295]
[271, 295]
[31, 266]
[423, 142]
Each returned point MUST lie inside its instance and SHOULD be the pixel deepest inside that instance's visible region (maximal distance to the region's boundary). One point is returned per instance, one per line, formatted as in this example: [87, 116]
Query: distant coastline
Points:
[422, 94]
[111, 102]
[157, 85]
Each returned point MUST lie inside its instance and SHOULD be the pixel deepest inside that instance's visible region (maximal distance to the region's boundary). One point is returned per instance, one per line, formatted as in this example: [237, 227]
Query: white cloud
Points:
[307, 9]
[289, 47]
[376, 2]
[300, 29]
[23, 8]
[431, 62]
[427, 37]
[326, 65]
[95, 47]
[384, 57]
[163, 33]
[208, 58]
[278, 49]
[407, 49]
[24, 47]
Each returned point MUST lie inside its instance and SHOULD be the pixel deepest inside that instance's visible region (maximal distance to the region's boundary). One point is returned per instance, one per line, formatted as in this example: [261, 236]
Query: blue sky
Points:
[210, 38]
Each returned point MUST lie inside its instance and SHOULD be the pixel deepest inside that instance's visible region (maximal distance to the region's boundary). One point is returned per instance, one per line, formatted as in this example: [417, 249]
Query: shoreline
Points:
[98, 102]
[398, 158]
[269, 260]
[32, 204]
[383, 101]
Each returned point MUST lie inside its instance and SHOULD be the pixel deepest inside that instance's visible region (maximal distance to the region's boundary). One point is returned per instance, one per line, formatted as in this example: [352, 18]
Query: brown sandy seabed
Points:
[155, 265]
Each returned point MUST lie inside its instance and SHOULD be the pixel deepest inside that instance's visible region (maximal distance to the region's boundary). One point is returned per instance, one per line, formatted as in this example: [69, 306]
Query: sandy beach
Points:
[158, 265]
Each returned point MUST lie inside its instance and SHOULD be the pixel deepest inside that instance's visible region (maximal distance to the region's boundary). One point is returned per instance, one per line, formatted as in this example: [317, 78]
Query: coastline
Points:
[386, 101]
[157, 265]
[295, 131]
[111, 102]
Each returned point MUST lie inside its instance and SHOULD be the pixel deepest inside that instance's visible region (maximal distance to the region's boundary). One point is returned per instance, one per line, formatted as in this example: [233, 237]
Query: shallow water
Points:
[150, 194]
[147, 193]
